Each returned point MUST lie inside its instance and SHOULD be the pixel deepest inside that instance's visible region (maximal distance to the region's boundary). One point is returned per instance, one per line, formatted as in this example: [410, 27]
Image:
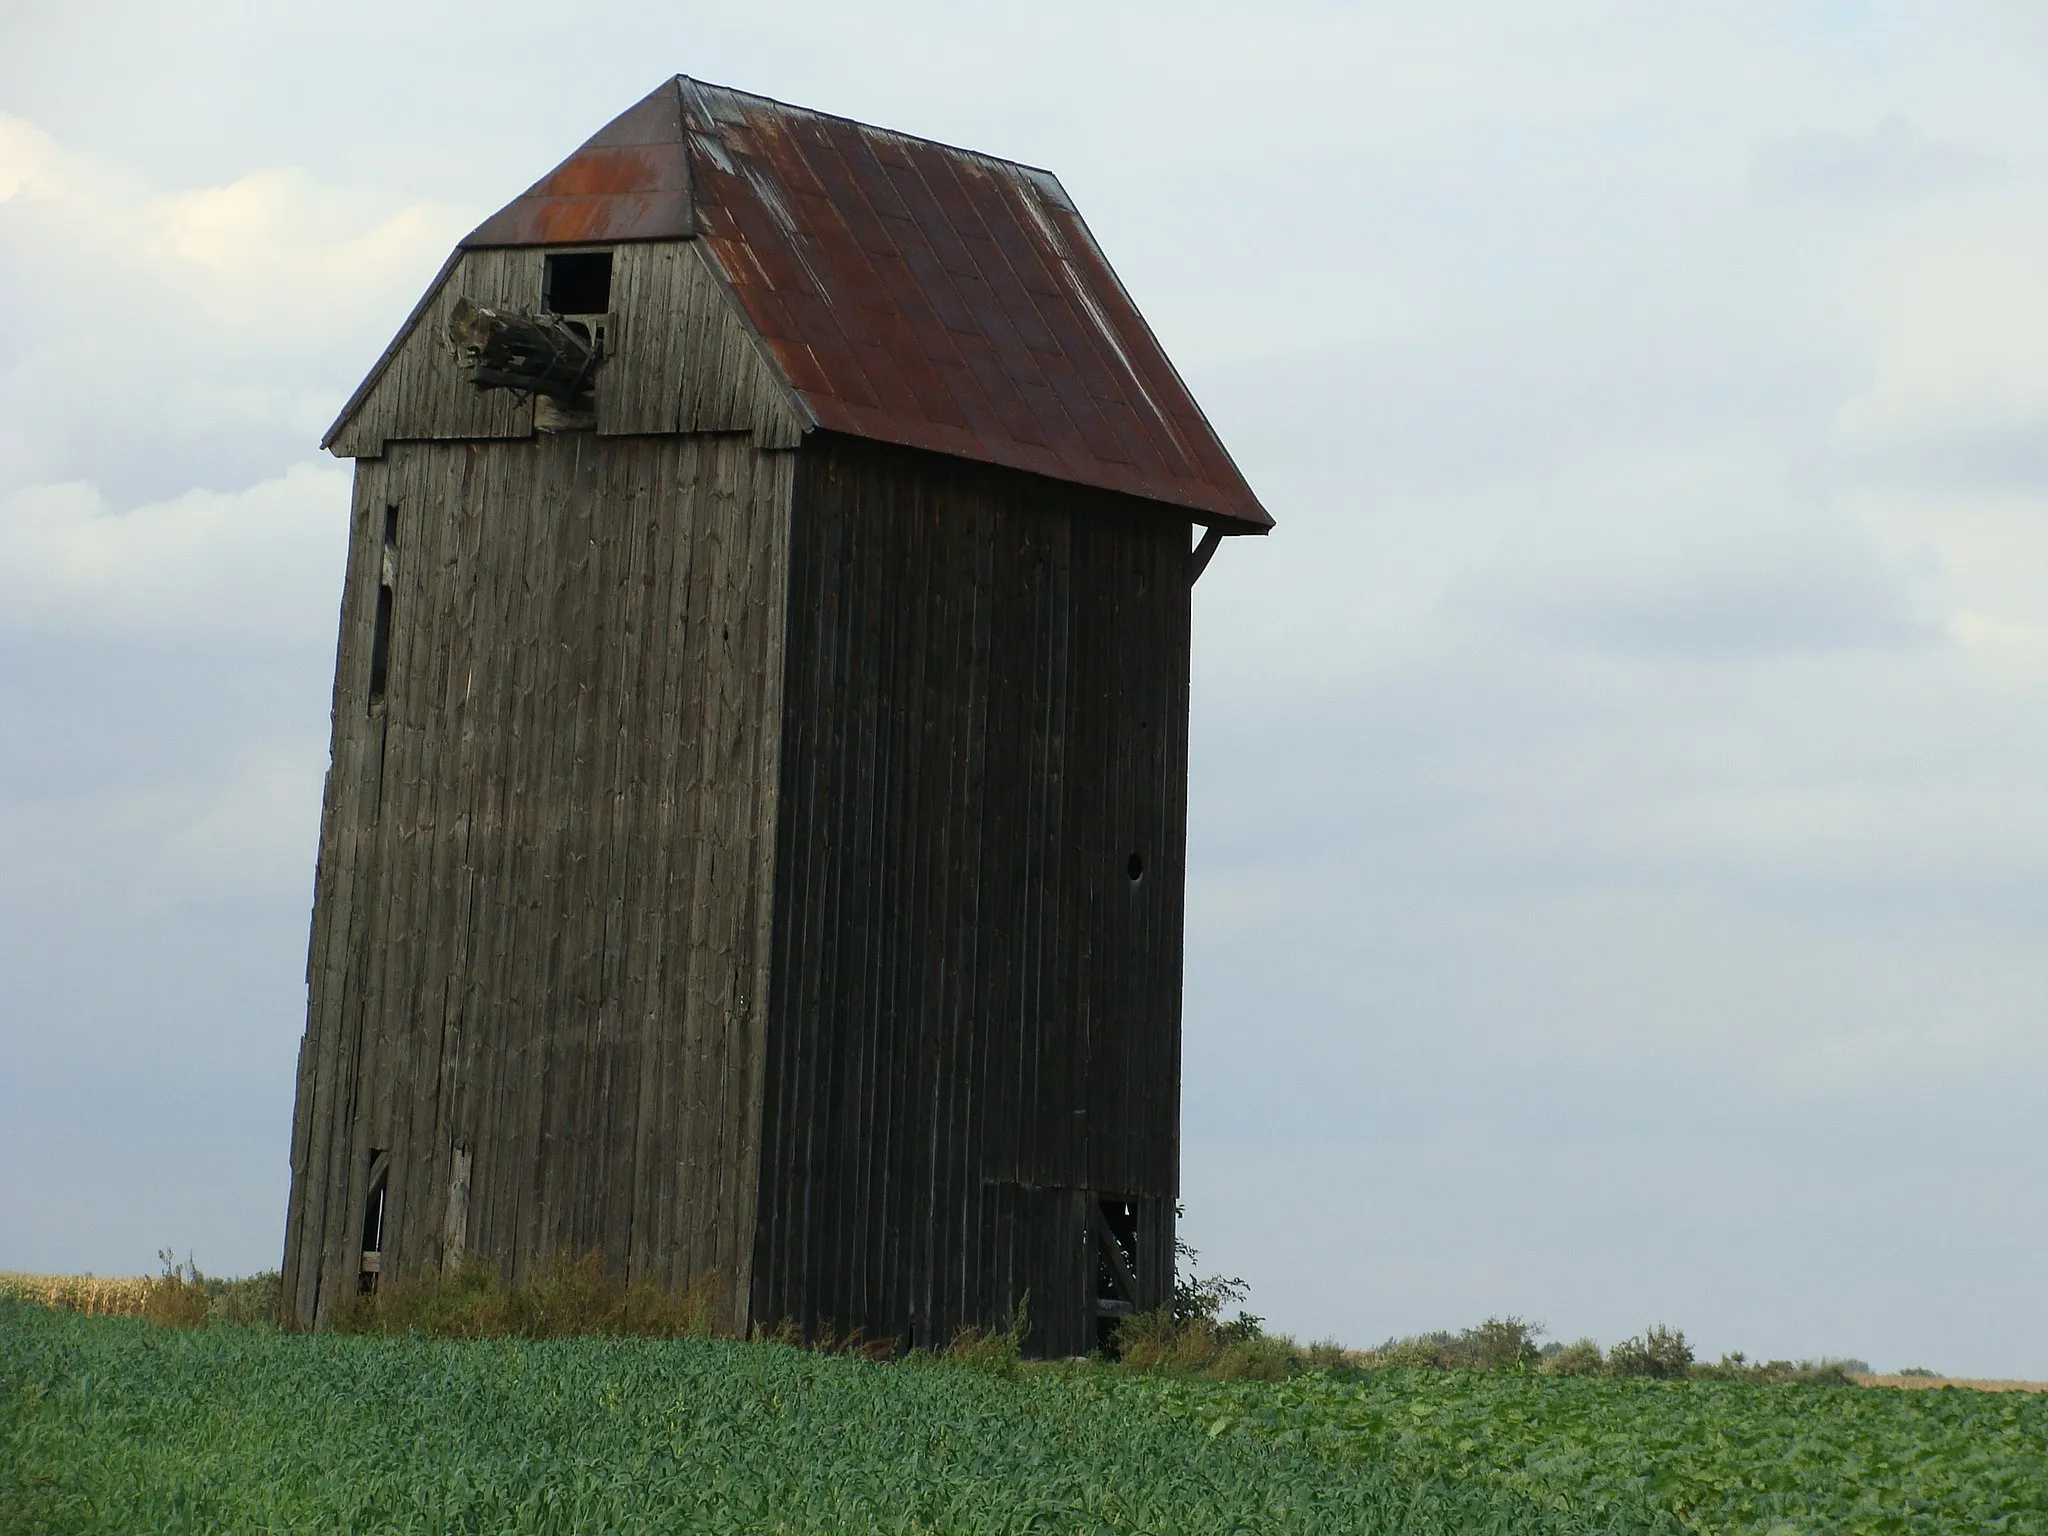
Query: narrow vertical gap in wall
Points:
[380, 633]
[380, 646]
[1116, 1266]
[373, 1222]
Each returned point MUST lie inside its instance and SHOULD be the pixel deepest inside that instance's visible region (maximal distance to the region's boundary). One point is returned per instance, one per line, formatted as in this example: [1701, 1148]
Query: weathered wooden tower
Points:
[753, 840]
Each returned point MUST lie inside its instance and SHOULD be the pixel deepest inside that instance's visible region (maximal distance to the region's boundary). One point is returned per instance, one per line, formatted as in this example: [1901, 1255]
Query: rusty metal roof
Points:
[909, 291]
[631, 181]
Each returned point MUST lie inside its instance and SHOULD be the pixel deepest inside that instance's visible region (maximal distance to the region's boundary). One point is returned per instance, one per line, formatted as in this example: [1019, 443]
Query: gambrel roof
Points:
[906, 291]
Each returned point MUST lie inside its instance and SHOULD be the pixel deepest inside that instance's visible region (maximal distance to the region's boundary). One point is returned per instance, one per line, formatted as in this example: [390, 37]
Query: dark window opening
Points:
[380, 645]
[391, 527]
[579, 283]
[1135, 867]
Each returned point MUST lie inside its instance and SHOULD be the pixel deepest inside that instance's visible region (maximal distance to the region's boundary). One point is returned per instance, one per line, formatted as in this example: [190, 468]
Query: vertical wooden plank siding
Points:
[539, 949]
[679, 359]
[974, 1024]
[682, 359]
[418, 395]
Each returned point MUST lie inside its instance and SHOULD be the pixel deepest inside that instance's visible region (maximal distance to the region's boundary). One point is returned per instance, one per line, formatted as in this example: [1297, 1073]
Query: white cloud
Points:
[190, 334]
[273, 248]
[261, 563]
[1958, 333]
[28, 159]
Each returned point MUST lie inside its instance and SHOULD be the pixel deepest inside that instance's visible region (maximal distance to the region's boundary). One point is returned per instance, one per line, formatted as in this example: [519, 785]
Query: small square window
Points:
[577, 283]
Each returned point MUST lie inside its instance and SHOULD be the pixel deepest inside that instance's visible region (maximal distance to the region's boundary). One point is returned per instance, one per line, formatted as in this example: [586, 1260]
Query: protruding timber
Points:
[531, 354]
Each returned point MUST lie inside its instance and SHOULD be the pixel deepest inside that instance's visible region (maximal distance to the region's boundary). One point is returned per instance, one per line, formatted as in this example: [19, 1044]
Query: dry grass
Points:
[575, 1296]
[1974, 1384]
[100, 1295]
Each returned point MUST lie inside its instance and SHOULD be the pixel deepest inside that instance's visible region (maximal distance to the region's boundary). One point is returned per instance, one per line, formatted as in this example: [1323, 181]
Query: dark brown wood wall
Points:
[540, 917]
[974, 1021]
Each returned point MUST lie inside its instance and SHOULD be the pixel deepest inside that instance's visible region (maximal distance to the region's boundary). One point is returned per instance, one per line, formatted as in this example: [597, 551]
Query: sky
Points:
[1618, 853]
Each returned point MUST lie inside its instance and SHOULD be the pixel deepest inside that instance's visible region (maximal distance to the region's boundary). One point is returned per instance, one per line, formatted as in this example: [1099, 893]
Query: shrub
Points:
[1659, 1353]
[1581, 1357]
[1327, 1355]
[1812, 1373]
[1159, 1343]
[1421, 1351]
[251, 1301]
[997, 1352]
[1200, 1299]
[1921, 1371]
[177, 1297]
[1498, 1344]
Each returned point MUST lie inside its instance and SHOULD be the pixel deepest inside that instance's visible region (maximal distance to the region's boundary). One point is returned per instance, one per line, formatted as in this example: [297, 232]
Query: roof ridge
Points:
[862, 123]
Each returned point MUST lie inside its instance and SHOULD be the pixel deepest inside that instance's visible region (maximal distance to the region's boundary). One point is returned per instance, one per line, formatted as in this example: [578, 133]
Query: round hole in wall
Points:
[1136, 867]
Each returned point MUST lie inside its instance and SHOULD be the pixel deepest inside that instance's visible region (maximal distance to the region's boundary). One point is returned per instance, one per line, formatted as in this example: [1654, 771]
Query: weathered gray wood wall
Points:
[540, 923]
[682, 358]
[415, 392]
[974, 1020]
[679, 358]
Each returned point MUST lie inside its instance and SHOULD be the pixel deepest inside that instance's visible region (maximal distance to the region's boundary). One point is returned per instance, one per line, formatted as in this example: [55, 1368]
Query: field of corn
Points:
[112, 1424]
[97, 1295]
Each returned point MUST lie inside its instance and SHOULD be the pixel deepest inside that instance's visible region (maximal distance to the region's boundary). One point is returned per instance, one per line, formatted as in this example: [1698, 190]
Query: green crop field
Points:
[1719, 1456]
[109, 1424]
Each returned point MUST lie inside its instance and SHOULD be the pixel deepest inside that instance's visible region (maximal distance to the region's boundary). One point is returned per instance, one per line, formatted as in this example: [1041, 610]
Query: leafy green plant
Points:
[1645, 1455]
[1199, 1300]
